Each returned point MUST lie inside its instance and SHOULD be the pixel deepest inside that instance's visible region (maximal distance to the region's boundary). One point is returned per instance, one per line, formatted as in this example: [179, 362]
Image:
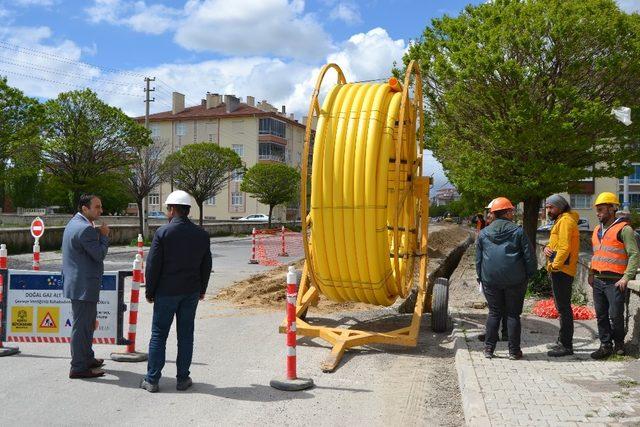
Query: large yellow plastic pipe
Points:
[356, 141]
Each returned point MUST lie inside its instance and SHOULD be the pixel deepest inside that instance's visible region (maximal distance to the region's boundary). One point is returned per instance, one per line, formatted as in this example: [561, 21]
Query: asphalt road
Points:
[237, 353]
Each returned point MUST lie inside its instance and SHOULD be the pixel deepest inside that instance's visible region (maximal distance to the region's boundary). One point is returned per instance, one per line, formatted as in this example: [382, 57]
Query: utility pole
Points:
[147, 101]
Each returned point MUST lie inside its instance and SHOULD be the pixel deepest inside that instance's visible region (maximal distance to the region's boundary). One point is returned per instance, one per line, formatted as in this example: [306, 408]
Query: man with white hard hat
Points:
[177, 275]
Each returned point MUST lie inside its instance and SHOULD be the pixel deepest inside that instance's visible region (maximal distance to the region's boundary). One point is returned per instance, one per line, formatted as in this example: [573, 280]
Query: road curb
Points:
[475, 410]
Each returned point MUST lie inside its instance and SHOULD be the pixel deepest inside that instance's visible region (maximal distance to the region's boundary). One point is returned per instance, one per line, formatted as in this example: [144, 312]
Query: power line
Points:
[13, 47]
[66, 83]
[10, 46]
[52, 71]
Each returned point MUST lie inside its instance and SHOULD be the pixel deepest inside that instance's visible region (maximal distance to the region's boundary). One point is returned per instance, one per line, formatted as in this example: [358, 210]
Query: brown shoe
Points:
[91, 373]
[96, 363]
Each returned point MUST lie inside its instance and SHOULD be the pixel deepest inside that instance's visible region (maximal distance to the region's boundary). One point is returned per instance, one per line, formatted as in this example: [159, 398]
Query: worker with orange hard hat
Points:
[504, 264]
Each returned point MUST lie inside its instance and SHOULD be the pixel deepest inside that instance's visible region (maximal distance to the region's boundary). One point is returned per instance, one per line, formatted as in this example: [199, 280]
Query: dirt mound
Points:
[267, 290]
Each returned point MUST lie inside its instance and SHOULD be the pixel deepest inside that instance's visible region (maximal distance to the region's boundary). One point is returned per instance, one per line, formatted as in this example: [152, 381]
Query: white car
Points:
[255, 218]
[583, 224]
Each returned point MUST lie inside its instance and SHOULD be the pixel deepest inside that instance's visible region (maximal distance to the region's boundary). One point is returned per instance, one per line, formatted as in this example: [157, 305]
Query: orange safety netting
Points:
[547, 308]
[269, 246]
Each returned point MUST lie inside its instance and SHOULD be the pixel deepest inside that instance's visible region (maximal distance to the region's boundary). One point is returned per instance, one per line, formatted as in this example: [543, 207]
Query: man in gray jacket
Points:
[504, 264]
[83, 251]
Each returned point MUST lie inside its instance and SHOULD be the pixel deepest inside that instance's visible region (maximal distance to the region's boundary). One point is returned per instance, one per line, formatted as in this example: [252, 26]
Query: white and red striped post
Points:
[292, 296]
[284, 247]
[133, 306]
[3, 257]
[36, 255]
[253, 259]
[141, 253]
[4, 351]
[291, 382]
[131, 355]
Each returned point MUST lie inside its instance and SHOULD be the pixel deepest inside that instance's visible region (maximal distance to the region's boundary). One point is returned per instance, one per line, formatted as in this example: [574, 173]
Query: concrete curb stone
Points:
[475, 410]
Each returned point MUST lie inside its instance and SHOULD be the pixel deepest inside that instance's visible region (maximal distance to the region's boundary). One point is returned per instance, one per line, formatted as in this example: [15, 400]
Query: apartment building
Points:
[258, 132]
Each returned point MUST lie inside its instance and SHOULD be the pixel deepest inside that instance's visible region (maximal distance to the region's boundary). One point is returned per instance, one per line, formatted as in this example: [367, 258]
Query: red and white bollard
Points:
[3, 257]
[284, 247]
[131, 355]
[4, 351]
[253, 259]
[141, 253]
[36, 255]
[291, 382]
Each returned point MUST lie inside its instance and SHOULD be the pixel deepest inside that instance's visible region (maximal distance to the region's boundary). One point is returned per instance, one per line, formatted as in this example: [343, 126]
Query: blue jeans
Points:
[164, 308]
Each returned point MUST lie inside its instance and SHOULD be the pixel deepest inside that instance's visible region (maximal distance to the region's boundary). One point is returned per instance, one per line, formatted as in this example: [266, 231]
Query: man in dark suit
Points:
[83, 251]
[177, 275]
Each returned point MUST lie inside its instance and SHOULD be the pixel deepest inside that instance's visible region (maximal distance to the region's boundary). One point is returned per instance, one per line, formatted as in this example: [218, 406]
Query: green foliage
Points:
[519, 96]
[145, 242]
[540, 284]
[20, 125]
[87, 141]
[635, 218]
[272, 184]
[202, 169]
[26, 190]
[435, 211]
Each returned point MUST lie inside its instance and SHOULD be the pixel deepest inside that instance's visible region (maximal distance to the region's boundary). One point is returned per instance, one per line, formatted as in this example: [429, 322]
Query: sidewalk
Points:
[539, 390]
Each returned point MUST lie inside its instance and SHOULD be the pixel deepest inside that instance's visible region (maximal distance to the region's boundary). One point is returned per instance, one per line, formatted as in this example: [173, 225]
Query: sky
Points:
[269, 49]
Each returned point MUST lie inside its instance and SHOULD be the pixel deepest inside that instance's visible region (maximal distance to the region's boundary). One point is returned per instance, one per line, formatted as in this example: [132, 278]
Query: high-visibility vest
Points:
[609, 253]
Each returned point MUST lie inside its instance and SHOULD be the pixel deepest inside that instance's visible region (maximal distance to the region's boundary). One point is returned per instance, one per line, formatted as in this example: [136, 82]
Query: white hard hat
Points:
[178, 197]
[490, 204]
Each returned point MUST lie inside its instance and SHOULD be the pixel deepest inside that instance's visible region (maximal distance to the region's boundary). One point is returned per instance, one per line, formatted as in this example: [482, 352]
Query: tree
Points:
[271, 184]
[202, 170]
[20, 126]
[145, 175]
[85, 140]
[519, 95]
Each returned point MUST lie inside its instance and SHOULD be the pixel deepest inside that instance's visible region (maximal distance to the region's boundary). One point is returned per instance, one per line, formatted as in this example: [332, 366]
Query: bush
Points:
[540, 284]
[134, 242]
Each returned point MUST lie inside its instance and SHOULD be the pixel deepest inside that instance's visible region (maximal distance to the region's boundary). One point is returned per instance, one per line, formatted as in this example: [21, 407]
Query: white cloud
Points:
[140, 17]
[347, 12]
[629, 6]
[252, 27]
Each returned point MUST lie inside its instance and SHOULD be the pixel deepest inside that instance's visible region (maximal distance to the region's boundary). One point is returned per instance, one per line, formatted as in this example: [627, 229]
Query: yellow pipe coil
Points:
[358, 197]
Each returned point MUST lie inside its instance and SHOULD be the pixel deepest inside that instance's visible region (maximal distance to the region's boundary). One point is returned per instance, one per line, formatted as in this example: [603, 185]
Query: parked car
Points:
[132, 209]
[583, 224]
[157, 215]
[255, 217]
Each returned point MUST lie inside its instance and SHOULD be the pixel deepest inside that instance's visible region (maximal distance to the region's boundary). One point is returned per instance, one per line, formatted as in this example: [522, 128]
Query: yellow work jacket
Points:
[565, 242]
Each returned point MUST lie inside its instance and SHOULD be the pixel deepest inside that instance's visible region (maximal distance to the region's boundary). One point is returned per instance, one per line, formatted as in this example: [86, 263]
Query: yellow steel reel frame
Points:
[418, 187]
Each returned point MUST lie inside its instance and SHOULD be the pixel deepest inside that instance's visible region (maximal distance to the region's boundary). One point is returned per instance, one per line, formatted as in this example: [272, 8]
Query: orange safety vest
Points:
[609, 253]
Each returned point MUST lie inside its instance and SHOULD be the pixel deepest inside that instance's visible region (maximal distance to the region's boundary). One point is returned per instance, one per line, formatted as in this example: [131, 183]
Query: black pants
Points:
[609, 304]
[561, 284]
[507, 300]
[84, 321]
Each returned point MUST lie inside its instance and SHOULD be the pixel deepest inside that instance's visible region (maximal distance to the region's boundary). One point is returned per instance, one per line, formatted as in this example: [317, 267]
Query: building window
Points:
[634, 178]
[270, 151]
[634, 200]
[154, 199]
[581, 201]
[181, 129]
[237, 198]
[211, 201]
[269, 126]
[239, 149]
[236, 176]
[155, 130]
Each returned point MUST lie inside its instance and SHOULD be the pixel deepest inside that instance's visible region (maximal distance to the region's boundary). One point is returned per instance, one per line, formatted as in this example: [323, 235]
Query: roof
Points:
[219, 112]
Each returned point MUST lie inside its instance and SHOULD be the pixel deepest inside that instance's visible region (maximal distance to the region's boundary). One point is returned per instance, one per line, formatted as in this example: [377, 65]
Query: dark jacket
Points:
[179, 260]
[503, 255]
[83, 253]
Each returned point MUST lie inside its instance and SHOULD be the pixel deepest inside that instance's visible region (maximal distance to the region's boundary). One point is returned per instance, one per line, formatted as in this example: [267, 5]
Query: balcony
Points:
[270, 158]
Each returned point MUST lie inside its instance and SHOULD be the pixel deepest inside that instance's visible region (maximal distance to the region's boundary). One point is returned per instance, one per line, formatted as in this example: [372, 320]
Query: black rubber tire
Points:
[440, 305]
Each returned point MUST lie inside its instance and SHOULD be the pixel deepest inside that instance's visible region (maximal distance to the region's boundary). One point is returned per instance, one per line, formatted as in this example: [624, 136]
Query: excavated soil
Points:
[266, 290]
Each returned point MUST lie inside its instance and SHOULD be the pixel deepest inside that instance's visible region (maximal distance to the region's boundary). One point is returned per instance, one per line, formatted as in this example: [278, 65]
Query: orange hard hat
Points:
[501, 204]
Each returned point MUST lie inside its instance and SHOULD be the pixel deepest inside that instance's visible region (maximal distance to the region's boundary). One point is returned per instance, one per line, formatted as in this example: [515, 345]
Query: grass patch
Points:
[617, 414]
